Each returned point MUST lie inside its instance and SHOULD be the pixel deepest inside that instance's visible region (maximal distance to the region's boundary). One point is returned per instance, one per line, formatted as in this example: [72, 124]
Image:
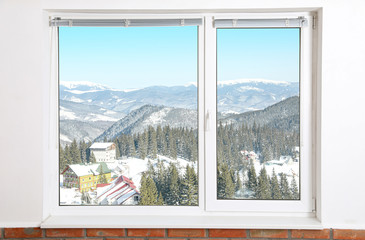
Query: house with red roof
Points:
[121, 191]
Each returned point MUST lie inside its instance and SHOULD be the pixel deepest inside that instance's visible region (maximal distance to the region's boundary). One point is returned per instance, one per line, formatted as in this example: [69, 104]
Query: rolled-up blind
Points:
[125, 22]
[261, 23]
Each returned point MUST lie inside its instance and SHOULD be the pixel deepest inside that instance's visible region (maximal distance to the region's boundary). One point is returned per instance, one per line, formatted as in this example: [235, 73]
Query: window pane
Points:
[258, 113]
[128, 116]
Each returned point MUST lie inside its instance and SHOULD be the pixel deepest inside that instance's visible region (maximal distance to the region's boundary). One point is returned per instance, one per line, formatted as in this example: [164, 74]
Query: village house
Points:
[85, 177]
[121, 191]
[103, 152]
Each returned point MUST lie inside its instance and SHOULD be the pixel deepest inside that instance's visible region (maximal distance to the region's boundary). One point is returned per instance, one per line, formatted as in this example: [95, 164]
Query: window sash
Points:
[207, 146]
[305, 204]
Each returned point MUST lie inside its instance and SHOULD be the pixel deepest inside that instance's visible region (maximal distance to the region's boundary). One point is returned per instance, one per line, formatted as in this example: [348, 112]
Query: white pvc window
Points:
[209, 204]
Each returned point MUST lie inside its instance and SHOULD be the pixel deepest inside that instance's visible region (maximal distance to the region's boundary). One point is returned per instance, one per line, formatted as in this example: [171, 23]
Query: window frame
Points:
[305, 204]
[55, 215]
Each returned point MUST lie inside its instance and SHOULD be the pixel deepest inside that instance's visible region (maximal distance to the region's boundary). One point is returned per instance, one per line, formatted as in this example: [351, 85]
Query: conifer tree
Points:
[83, 149]
[173, 192]
[172, 146]
[284, 187]
[294, 189]
[160, 200]
[189, 194]
[238, 182]
[275, 188]
[252, 179]
[62, 159]
[142, 146]
[92, 158]
[148, 191]
[152, 142]
[263, 187]
[225, 185]
[75, 153]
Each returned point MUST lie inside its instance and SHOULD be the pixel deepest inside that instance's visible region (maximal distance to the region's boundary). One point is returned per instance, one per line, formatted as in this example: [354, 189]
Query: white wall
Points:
[23, 87]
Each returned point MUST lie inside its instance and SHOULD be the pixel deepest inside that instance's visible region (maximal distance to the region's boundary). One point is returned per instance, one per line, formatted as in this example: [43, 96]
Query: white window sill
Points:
[227, 222]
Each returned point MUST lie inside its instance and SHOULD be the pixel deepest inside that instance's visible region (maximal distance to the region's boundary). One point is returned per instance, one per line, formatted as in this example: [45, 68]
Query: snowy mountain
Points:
[92, 103]
[87, 131]
[87, 113]
[149, 115]
[282, 115]
[233, 96]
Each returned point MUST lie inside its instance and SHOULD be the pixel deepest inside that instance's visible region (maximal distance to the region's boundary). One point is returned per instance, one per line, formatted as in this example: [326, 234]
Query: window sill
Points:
[227, 222]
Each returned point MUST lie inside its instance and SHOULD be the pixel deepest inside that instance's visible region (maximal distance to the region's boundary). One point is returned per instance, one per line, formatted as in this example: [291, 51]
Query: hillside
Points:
[282, 115]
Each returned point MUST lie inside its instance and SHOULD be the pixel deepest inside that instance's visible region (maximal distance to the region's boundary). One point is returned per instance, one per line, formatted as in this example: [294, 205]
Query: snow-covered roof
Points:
[101, 145]
[118, 191]
[83, 170]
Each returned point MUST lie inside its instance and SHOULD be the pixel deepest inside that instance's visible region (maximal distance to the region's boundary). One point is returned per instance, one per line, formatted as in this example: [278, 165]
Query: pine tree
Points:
[62, 159]
[172, 146]
[189, 194]
[294, 189]
[75, 153]
[92, 158]
[238, 182]
[284, 187]
[142, 146]
[263, 187]
[160, 200]
[252, 179]
[83, 150]
[173, 192]
[225, 185]
[275, 188]
[148, 191]
[152, 142]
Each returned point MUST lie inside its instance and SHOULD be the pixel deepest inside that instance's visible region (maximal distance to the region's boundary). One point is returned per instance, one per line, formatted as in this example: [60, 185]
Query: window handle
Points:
[207, 121]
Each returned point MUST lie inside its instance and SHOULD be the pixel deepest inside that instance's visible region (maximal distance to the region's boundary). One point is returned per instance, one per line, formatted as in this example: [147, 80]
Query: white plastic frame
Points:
[303, 206]
[51, 197]
[210, 212]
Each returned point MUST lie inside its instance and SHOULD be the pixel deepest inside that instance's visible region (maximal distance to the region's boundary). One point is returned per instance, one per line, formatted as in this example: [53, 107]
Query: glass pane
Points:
[128, 116]
[258, 113]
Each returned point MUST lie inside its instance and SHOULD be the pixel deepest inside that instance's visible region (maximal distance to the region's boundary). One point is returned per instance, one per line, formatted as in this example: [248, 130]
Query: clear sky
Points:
[132, 57]
[258, 53]
[137, 57]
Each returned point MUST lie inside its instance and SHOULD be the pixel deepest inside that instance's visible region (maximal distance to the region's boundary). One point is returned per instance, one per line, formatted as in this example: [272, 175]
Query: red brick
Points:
[23, 233]
[186, 232]
[323, 234]
[269, 233]
[229, 233]
[82, 238]
[67, 232]
[105, 232]
[168, 239]
[143, 232]
[123, 238]
[348, 234]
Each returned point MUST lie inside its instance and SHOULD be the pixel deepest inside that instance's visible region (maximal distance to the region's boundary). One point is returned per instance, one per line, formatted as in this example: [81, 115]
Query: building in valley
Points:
[103, 152]
[85, 177]
[121, 191]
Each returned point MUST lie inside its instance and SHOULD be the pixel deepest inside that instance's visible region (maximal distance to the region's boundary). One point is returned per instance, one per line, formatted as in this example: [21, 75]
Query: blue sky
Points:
[258, 53]
[137, 57]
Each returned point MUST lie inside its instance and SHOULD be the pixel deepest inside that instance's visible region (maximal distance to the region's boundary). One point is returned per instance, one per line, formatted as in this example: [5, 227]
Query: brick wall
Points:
[176, 234]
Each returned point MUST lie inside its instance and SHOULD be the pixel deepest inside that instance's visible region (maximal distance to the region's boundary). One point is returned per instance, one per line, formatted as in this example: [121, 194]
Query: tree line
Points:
[171, 142]
[75, 153]
[269, 143]
[259, 187]
[165, 186]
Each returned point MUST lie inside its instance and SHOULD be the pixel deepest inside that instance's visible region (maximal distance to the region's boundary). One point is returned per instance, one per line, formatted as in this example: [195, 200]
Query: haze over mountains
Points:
[101, 107]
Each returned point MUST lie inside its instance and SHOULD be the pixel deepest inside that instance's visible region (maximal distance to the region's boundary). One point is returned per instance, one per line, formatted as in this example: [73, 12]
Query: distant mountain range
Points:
[282, 115]
[101, 106]
[149, 115]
